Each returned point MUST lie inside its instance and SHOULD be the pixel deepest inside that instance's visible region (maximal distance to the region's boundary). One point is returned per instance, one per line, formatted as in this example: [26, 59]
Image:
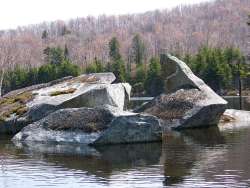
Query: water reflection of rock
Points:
[100, 161]
[207, 137]
[181, 151]
[177, 157]
[193, 155]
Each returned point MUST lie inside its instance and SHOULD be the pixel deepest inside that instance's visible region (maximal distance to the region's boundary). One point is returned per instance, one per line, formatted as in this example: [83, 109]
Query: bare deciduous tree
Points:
[8, 57]
[183, 29]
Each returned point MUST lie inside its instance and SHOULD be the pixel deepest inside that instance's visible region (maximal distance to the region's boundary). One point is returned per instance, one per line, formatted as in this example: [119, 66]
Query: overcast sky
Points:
[15, 13]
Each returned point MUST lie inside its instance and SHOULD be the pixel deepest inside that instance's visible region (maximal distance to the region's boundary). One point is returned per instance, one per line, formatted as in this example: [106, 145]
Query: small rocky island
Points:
[91, 109]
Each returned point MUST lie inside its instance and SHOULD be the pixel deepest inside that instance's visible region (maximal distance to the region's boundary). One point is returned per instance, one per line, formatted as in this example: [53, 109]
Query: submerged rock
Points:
[100, 125]
[187, 102]
[234, 119]
[234, 116]
[28, 105]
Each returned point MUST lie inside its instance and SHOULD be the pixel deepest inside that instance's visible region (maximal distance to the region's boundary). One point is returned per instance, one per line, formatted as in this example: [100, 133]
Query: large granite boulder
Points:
[25, 106]
[187, 102]
[98, 126]
[134, 128]
[79, 125]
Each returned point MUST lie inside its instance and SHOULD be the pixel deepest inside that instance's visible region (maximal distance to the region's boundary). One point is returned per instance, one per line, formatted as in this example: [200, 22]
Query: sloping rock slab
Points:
[187, 102]
[26, 106]
[184, 109]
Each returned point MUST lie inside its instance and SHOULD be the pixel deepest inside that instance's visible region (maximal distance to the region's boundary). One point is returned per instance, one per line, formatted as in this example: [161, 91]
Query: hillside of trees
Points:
[219, 68]
[183, 29]
[210, 37]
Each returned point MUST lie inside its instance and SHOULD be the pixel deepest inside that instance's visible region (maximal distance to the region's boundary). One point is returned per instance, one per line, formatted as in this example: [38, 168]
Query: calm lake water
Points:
[214, 157]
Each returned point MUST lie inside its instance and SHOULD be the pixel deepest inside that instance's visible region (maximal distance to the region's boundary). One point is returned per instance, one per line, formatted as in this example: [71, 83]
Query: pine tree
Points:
[154, 82]
[98, 65]
[114, 49]
[118, 66]
[54, 55]
[138, 50]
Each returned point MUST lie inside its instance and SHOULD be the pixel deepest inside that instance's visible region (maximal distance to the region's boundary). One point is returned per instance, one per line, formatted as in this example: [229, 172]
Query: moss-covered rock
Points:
[14, 105]
[27, 105]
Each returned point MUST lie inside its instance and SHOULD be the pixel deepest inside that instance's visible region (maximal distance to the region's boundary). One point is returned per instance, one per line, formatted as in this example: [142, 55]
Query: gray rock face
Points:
[90, 90]
[188, 102]
[101, 125]
[79, 125]
[97, 95]
[131, 129]
[11, 126]
[85, 91]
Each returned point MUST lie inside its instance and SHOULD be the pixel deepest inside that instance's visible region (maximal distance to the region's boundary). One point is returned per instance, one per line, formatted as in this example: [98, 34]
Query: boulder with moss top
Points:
[30, 104]
[96, 126]
[187, 101]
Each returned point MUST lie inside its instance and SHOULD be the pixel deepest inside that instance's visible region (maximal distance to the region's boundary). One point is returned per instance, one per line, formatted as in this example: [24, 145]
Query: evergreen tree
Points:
[117, 66]
[114, 49]
[46, 73]
[66, 68]
[57, 66]
[108, 67]
[154, 83]
[99, 66]
[140, 74]
[95, 67]
[54, 55]
[138, 50]
[91, 68]
[138, 82]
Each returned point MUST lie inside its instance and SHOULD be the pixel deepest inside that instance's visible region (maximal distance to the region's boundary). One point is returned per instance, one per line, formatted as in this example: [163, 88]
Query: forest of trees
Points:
[183, 29]
[218, 67]
[210, 37]
[58, 65]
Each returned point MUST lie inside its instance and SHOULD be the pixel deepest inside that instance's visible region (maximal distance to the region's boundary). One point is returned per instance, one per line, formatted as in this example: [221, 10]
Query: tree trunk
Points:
[1, 82]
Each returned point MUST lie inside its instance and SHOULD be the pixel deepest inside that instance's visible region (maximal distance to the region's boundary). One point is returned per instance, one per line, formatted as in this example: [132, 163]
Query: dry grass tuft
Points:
[63, 92]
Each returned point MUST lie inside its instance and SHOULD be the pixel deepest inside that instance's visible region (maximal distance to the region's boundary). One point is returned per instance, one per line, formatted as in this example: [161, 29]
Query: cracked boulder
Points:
[22, 107]
[95, 126]
[187, 101]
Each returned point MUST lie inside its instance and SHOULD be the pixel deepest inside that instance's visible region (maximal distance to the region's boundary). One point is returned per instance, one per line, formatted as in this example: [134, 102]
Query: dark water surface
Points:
[214, 157]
